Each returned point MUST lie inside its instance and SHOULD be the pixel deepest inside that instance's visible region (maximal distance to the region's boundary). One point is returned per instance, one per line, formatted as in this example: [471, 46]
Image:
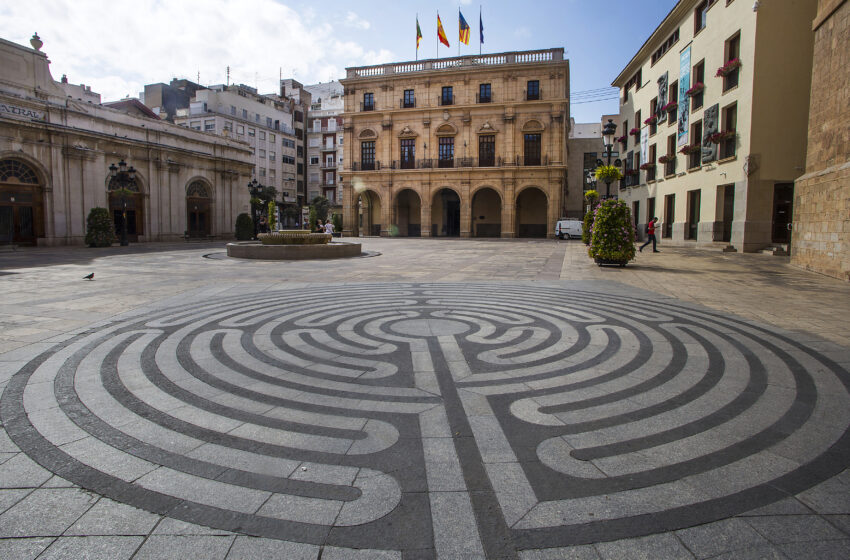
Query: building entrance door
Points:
[21, 206]
[692, 227]
[198, 217]
[669, 215]
[783, 205]
[728, 212]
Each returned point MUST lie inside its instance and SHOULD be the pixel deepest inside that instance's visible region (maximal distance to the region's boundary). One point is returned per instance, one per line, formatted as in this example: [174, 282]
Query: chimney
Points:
[64, 78]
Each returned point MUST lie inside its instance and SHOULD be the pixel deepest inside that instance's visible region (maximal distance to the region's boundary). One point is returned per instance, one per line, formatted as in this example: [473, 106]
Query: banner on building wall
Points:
[662, 98]
[644, 145]
[684, 100]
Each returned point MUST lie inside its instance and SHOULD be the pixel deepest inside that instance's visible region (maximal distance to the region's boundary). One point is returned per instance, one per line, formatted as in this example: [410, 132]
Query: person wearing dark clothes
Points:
[650, 230]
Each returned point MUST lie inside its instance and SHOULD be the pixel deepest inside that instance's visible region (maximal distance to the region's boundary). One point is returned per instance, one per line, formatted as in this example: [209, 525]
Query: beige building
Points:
[473, 146]
[728, 82]
[55, 153]
[821, 236]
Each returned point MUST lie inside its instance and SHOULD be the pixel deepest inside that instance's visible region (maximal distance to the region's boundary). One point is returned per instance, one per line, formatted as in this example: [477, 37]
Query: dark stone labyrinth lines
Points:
[446, 420]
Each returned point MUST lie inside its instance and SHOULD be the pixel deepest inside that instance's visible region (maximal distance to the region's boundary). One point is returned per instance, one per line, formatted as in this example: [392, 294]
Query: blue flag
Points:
[481, 26]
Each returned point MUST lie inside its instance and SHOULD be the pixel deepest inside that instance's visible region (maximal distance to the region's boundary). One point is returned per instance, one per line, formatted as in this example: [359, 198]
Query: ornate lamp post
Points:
[123, 178]
[609, 129]
[255, 189]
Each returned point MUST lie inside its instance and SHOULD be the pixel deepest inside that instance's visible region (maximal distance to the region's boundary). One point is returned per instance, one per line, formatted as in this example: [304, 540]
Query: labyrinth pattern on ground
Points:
[449, 419]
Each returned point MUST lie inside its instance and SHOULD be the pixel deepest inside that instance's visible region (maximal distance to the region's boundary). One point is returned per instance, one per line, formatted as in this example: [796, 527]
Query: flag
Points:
[481, 25]
[418, 33]
[463, 31]
[441, 35]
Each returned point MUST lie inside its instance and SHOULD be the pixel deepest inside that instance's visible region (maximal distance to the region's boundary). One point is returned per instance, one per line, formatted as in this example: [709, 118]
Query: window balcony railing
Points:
[366, 166]
[670, 167]
[525, 161]
[367, 106]
[446, 99]
[533, 95]
[483, 98]
[328, 165]
[458, 163]
[326, 148]
[407, 103]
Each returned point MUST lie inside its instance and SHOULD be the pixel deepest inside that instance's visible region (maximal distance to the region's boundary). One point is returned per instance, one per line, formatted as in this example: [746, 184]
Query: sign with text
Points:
[20, 112]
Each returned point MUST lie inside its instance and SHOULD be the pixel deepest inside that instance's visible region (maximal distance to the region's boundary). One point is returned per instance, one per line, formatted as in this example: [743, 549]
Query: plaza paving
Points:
[434, 399]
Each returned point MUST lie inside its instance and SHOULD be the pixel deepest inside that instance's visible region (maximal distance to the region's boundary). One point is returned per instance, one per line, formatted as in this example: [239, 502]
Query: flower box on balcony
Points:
[631, 172]
[635, 132]
[690, 149]
[719, 137]
[651, 120]
[670, 107]
[728, 68]
[695, 89]
[623, 139]
[666, 158]
[647, 166]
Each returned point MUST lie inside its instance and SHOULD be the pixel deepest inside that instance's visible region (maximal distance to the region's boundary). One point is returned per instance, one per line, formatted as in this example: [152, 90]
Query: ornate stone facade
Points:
[55, 154]
[821, 236]
[473, 146]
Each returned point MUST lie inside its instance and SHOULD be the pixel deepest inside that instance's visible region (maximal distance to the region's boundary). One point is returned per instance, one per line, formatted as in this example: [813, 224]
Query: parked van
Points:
[568, 229]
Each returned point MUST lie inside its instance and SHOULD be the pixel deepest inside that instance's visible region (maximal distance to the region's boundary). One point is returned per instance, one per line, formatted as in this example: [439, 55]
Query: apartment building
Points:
[301, 101]
[472, 146]
[325, 143]
[713, 121]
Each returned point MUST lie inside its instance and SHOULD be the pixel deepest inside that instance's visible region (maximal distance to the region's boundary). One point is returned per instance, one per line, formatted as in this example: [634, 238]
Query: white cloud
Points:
[353, 20]
[118, 49]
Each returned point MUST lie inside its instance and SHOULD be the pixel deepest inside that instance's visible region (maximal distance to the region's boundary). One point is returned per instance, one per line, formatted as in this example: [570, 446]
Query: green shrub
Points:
[312, 218]
[591, 197]
[322, 206]
[272, 216]
[337, 221]
[100, 231]
[613, 235]
[244, 227]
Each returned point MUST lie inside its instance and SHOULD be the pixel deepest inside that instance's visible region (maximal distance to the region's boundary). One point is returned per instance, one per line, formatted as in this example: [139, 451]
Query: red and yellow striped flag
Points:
[463, 29]
[441, 35]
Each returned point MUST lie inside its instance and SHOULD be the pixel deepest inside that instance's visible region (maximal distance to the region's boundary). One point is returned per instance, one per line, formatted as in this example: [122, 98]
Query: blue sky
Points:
[119, 49]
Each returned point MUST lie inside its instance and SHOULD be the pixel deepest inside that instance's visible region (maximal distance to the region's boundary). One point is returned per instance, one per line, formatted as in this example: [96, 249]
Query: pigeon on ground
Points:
[89, 276]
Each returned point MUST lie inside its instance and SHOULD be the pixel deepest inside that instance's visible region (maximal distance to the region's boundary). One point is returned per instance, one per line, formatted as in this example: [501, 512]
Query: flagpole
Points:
[417, 37]
[458, 31]
[479, 30]
[438, 34]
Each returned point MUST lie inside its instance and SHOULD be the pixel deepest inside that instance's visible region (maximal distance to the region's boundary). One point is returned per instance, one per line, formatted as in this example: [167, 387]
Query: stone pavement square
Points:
[435, 399]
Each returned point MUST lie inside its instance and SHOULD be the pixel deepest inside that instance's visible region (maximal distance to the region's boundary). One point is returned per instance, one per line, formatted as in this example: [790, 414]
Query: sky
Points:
[118, 46]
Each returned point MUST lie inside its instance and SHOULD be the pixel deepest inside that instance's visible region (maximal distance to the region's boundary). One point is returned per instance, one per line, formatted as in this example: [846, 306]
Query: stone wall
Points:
[821, 236]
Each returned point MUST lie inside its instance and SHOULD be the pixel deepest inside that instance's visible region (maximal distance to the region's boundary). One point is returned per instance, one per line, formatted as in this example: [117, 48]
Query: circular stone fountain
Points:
[285, 245]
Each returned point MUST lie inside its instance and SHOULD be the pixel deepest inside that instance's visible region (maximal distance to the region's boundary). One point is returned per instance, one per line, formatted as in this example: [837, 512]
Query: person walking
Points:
[650, 230]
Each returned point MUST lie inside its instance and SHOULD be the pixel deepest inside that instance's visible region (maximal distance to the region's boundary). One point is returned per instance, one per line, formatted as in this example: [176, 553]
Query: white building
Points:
[325, 142]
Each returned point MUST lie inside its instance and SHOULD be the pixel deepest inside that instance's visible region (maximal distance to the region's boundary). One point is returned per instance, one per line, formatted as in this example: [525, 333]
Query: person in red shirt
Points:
[650, 230]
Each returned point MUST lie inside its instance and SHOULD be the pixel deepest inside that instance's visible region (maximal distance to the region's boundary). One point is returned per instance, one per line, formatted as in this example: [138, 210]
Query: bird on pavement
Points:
[89, 276]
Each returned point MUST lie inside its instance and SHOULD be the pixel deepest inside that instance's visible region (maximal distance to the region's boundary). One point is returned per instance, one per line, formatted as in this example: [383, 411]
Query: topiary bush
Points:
[587, 225]
[613, 238]
[244, 227]
[337, 221]
[272, 216]
[100, 231]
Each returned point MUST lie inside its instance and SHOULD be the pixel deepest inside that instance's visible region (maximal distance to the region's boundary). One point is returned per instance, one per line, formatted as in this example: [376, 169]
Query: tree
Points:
[272, 216]
[100, 231]
[322, 207]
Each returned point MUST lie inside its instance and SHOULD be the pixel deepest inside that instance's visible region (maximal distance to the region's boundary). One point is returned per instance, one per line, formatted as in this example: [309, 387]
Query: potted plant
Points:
[608, 173]
[728, 68]
[635, 132]
[623, 139]
[695, 89]
[100, 231]
[612, 240]
[666, 158]
[719, 137]
[651, 120]
[670, 107]
[631, 172]
[647, 166]
[587, 226]
[691, 148]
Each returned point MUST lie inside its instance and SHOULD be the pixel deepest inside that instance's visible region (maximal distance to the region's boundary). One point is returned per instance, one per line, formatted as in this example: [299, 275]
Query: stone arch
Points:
[407, 213]
[368, 208]
[199, 207]
[129, 203]
[445, 212]
[446, 129]
[486, 212]
[531, 212]
[532, 125]
[22, 187]
[367, 134]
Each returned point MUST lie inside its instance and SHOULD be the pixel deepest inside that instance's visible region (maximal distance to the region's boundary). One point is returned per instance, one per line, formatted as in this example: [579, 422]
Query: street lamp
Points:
[609, 129]
[123, 178]
[255, 189]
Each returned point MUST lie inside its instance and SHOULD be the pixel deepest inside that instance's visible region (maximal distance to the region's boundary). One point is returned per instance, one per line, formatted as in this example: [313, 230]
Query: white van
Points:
[568, 229]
